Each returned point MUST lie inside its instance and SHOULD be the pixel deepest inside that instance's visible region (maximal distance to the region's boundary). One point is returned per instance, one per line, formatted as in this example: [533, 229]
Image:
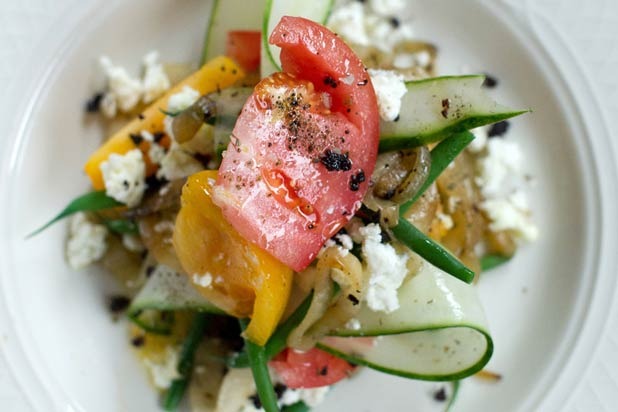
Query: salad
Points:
[310, 201]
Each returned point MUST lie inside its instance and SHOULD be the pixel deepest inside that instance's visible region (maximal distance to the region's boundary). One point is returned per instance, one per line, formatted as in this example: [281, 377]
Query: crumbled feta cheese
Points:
[501, 170]
[183, 99]
[147, 136]
[345, 240]
[124, 177]
[506, 214]
[445, 220]
[387, 8]
[156, 81]
[501, 180]
[163, 371]
[133, 243]
[480, 139]
[349, 22]
[177, 164]
[387, 270]
[86, 242]
[204, 280]
[390, 88]
[353, 324]
[156, 153]
[164, 226]
[108, 105]
[126, 90]
[312, 397]
[373, 25]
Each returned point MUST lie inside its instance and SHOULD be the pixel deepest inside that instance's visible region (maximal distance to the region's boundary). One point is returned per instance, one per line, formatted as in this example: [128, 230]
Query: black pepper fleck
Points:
[446, 104]
[138, 341]
[94, 103]
[356, 180]
[118, 303]
[353, 299]
[137, 139]
[329, 81]
[334, 161]
[490, 81]
[440, 395]
[498, 129]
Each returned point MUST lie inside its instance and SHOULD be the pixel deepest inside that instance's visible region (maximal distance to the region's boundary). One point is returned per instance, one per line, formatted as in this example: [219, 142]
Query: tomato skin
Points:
[243, 46]
[318, 55]
[302, 149]
[311, 369]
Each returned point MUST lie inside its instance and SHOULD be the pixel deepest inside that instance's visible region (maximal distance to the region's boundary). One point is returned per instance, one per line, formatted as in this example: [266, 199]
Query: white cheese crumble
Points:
[445, 220]
[183, 99]
[155, 79]
[133, 243]
[502, 180]
[163, 371]
[124, 92]
[204, 280]
[390, 88]
[374, 24]
[86, 242]
[387, 270]
[480, 139]
[124, 177]
[156, 153]
[177, 164]
[353, 324]
[312, 397]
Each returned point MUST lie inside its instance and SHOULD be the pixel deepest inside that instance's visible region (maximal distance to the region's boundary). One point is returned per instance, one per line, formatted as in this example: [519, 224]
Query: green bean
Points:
[296, 407]
[489, 262]
[431, 251]
[441, 156]
[185, 365]
[277, 341]
[261, 375]
[90, 202]
[174, 394]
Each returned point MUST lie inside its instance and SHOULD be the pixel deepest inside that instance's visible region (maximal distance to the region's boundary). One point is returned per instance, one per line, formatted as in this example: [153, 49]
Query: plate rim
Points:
[61, 47]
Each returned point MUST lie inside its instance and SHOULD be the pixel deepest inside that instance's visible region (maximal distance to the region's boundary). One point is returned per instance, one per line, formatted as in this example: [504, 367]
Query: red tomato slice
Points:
[303, 148]
[244, 47]
[310, 369]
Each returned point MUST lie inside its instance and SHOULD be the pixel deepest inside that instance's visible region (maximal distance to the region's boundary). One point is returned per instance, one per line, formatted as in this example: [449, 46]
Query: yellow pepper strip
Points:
[227, 269]
[218, 73]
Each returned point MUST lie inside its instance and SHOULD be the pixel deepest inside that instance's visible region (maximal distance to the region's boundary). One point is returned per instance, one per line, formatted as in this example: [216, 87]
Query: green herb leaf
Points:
[261, 375]
[431, 251]
[122, 226]
[168, 113]
[90, 202]
[489, 262]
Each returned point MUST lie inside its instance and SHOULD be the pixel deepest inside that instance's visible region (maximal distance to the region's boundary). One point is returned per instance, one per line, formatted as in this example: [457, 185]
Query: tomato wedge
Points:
[303, 147]
[243, 46]
[310, 369]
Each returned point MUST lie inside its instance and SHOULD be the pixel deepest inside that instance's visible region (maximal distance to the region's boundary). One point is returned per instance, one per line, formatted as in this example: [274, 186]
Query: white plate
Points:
[545, 308]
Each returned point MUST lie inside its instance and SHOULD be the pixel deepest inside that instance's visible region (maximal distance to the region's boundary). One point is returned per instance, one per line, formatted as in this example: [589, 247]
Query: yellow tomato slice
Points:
[228, 270]
[216, 74]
